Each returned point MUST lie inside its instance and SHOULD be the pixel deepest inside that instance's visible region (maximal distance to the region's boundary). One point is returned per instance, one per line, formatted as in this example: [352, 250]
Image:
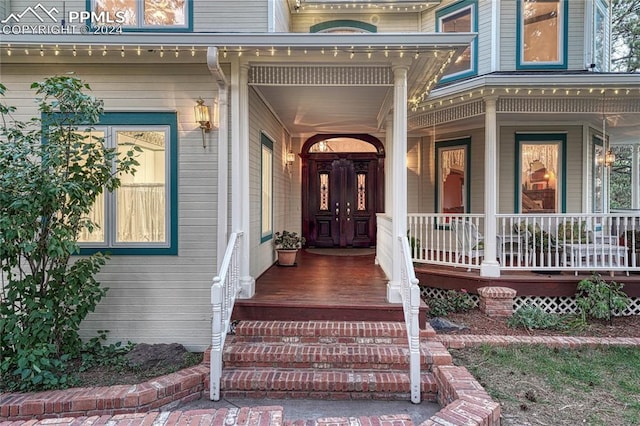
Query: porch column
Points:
[399, 178]
[240, 171]
[635, 177]
[490, 266]
[388, 182]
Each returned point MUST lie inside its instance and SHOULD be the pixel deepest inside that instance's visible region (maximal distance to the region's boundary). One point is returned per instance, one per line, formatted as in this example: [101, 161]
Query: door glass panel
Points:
[141, 200]
[324, 191]
[362, 192]
[539, 177]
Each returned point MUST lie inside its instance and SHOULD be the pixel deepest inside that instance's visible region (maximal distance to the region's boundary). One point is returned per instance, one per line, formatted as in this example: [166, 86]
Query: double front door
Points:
[343, 196]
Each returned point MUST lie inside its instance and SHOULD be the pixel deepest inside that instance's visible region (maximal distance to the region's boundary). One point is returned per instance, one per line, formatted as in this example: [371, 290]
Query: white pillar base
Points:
[393, 292]
[489, 269]
[247, 287]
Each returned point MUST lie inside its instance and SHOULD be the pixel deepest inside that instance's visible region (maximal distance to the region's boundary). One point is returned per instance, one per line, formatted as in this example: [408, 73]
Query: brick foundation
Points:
[496, 301]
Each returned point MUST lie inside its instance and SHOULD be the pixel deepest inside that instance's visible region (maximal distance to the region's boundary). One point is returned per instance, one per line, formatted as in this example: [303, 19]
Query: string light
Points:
[90, 52]
[75, 52]
[122, 51]
[177, 52]
[161, 51]
[138, 51]
[56, 51]
[41, 50]
[104, 51]
[26, 52]
[193, 51]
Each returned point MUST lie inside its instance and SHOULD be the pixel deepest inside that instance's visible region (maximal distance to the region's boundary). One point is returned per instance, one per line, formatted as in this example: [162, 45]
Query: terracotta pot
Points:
[287, 257]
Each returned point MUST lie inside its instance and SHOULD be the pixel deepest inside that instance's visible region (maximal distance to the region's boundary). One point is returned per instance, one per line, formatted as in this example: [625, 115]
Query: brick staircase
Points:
[326, 360]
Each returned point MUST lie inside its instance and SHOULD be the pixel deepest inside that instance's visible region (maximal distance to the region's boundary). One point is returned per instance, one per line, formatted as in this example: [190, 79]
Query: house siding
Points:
[261, 120]
[152, 299]
[281, 16]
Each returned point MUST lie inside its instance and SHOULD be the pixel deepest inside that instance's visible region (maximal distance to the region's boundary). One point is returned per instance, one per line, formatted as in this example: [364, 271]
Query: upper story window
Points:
[599, 43]
[460, 17]
[542, 34]
[144, 15]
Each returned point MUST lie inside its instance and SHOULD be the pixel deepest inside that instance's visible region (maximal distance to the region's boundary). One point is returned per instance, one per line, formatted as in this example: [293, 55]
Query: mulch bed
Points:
[479, 323]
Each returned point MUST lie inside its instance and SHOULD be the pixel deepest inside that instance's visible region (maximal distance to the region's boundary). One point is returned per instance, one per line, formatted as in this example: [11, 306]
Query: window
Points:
[598, 175]
[542, 34]
[140, 217]
[452, 176]
[540, 166]
[266, 200]
[460, 17]
[599, 51]
[171, 15]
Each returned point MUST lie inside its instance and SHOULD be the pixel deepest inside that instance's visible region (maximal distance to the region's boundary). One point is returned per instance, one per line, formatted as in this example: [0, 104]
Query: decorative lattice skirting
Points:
[551, 304]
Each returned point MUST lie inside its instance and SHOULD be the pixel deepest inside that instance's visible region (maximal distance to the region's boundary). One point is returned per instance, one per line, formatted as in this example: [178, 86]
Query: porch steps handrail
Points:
[224, 290]
[411, 306]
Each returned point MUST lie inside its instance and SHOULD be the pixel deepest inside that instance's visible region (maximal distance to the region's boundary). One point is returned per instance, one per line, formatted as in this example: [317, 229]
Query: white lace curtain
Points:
[140, 216]
[451, 158]
[547, 154]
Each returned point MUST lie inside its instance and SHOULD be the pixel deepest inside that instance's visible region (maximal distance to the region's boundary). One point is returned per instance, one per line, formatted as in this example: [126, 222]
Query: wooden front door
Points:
[342, 200]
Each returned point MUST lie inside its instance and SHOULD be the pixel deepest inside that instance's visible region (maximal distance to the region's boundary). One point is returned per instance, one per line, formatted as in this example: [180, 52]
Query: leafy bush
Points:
[533, 317]
[599, 299]
[453, 301]
[51, 172]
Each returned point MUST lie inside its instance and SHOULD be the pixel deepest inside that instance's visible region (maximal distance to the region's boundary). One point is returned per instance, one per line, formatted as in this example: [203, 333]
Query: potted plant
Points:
[287, 245]
[542, 245]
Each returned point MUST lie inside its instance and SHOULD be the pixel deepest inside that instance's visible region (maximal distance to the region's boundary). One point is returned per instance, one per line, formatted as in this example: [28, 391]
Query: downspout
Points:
[223, 152]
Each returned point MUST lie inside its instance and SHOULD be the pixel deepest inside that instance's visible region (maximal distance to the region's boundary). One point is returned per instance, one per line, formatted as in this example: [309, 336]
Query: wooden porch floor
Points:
[323, 287]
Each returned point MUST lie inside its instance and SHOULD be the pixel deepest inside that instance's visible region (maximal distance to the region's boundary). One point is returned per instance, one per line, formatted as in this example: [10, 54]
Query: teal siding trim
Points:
[139, 119]
[156, 29]
[474, 28]
[265, 141]
[541, 137]
[343, 23]
[463, 142]
[520, 65]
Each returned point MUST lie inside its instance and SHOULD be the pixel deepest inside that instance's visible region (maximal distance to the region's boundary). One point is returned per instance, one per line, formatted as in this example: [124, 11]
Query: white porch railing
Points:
[573, 241]
[411, 307]
[433, 239]
[225, 288]
[549, 242]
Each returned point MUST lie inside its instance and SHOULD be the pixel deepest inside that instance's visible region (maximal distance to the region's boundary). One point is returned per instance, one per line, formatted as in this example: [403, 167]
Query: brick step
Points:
[325, 331]
[324, 356]
[317, 384]
[395, 420]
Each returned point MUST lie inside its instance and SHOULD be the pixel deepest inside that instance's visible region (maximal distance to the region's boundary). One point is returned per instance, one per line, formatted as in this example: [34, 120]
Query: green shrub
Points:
[533, 317]
[453, 301]
[51, 172]
[599, 299]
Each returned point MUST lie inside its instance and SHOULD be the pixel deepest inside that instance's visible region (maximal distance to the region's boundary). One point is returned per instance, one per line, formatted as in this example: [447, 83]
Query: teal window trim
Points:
[596, 141]
[541, 137]
[142, 119]
[343, 23]
[453, 143]
[564, 33]
[454, 8]
[265, 142]
[187, 28]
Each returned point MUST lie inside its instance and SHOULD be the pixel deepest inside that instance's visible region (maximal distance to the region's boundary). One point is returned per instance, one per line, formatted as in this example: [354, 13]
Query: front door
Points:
[342, 200]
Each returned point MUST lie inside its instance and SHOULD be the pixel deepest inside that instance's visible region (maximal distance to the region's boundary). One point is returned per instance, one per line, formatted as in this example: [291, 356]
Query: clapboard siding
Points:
[414, 180]
[385, 22]
[262, 120]
[508, 29]
[575, 43]
[281, 16]
[485, 34]
[507, 148]
[165, 295]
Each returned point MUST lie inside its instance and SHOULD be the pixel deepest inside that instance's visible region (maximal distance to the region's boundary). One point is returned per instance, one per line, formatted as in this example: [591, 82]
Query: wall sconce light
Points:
[609, 158]
[204, 118]
[291, 158]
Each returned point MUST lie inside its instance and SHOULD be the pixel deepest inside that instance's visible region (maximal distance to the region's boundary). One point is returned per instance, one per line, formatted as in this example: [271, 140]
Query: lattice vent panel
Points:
[440, 293]
[566, 304]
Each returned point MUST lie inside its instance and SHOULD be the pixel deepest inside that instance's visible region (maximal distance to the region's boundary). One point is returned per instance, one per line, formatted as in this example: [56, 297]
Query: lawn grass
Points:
[540, 385]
